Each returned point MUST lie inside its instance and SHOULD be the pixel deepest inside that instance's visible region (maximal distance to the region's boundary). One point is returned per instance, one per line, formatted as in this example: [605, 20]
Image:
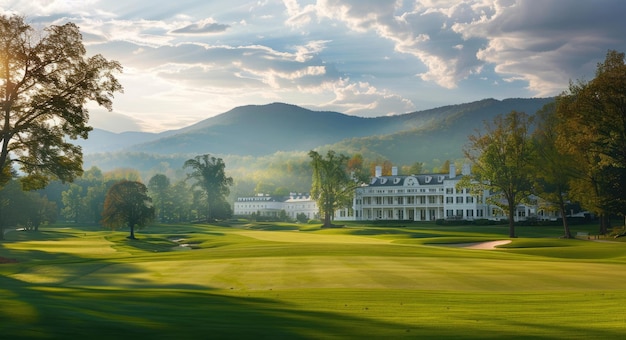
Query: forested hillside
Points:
[264, 147]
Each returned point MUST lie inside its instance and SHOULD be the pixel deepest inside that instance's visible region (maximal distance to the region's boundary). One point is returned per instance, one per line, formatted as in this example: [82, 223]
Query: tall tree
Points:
[553, 169]
[593, 130]
[45, 82]
[501, 158]
[333, 186]
[159, 187]
[127, 204]
[210, 177]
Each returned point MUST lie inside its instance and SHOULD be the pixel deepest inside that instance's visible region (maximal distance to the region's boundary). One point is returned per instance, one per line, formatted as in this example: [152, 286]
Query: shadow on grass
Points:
[39, 311]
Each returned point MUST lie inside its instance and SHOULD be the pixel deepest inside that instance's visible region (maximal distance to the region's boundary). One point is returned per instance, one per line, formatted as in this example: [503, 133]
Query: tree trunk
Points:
[512, 220]
[568, 233]
[603, 224]
[132, 231]
[327, 221]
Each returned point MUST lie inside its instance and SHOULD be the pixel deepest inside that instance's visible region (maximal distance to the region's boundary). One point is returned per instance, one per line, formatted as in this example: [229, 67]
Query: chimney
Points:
[379, 171]
[452, 170]
[394, 171]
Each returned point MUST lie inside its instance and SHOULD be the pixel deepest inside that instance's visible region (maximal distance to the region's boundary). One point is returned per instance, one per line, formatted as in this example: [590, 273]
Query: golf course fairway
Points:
[291, 281]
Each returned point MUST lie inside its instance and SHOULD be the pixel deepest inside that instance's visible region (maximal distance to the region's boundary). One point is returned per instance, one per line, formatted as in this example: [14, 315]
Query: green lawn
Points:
[299, 281]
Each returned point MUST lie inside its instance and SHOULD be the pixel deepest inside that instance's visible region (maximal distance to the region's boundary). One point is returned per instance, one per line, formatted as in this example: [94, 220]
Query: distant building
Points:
[271, 206]
[425, 197]
[422, 197]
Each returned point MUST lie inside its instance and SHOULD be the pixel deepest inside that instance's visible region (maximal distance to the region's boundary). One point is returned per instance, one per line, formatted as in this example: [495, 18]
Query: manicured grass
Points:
[300, 281]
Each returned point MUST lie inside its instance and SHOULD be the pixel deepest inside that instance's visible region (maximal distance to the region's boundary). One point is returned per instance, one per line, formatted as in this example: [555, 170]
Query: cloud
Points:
[420, 32]
[208, 26]
[362, 99]
[545, 43]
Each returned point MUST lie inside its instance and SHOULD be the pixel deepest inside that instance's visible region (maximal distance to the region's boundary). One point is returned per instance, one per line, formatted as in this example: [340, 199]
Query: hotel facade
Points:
[423, 197]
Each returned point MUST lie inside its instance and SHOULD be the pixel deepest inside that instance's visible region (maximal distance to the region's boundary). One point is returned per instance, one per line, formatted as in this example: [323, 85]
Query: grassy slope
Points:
[302, 282]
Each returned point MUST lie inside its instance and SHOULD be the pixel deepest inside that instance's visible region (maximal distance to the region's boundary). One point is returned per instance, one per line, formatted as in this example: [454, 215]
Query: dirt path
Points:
[490, 245]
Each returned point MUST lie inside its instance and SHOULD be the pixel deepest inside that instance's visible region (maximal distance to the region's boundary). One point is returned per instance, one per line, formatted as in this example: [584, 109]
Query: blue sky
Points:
[188, 60]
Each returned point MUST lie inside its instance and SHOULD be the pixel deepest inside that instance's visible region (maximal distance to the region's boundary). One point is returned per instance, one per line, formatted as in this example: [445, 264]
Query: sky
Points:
[188, 60]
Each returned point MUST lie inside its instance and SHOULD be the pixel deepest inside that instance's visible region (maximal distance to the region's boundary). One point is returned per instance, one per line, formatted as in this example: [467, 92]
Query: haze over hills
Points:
[257, 130]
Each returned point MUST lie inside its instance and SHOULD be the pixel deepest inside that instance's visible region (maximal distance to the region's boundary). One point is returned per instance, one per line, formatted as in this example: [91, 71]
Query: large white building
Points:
[423, 197]
[271, 206]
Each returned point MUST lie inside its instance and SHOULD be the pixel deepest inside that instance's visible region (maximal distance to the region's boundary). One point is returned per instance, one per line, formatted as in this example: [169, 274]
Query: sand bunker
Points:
[479, 245]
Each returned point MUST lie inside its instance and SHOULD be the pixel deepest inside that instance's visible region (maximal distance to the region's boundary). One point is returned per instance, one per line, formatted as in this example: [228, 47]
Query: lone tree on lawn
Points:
[45, 82]
[127, 204]
[333, 186]
[501, 162]
[210, 177]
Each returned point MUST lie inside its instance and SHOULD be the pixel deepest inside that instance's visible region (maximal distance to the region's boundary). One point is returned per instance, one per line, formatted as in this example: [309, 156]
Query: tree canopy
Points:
[553, 170]
[45, 82]
[501, 162]
[333, 186]
[592, 127]
[209, 176]
[127, 204]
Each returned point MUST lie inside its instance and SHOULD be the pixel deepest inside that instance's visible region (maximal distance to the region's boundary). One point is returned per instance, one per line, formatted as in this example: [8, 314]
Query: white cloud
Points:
[191, 59]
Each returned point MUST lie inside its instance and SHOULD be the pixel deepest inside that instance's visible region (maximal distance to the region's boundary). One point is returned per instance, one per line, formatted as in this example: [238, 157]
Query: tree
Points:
[210, 177]
[413, 169]
[593, 130]
[23, 209]
[501, 159]
[333, 186]
[127, 204]
[181, 202]
[553, 169]
[45, 82]
[159, 187]
[73, 203]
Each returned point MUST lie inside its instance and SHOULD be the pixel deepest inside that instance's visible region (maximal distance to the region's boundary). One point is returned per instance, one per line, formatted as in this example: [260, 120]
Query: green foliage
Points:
[127, 204]
[501, 159]
[592, 128]
[333, 187]
[160, 190]
[45, 82]
[23, 209]
[553, 169]
[209, 176]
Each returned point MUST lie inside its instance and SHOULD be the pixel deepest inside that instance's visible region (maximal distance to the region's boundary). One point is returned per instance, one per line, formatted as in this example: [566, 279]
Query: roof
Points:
[410, 180]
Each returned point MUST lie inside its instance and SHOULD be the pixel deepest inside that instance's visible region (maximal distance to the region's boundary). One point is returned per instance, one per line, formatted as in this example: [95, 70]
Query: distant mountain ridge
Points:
[258, 130]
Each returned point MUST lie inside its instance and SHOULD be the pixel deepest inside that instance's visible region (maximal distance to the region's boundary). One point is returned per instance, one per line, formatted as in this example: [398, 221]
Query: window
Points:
[459, 212]
[410, 200]
[469, 213]
[400, 200]
[422, 199]
[469, 199]
[389, 200]
[379, 200]
[459, 199]
[449, 191]
[449, 213]
[431, 199]
[449, 199]
[479, 212]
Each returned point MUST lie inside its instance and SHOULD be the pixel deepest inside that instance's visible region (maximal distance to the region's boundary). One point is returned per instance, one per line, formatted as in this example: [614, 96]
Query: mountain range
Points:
[261, 130]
